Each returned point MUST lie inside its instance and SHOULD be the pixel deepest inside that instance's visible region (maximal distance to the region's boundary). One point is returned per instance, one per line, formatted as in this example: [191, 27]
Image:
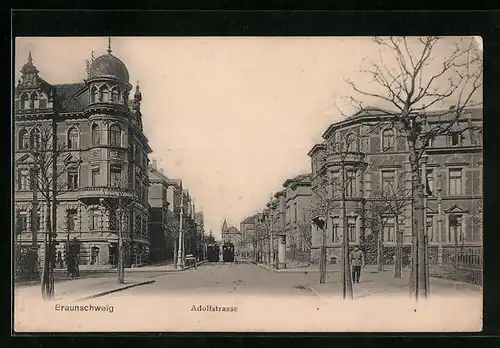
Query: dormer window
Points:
[34, 101]
[24, 101]
[115, 96]
[94, 95]
[104, 94]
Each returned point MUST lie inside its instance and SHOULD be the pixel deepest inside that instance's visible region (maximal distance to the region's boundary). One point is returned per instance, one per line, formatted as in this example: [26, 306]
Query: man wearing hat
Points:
[357, 259]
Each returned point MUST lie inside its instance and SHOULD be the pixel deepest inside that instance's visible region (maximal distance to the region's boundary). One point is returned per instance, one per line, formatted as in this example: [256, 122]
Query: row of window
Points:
[97, 95]
[106, 95]
[32, 139]
[392, 185]
[389, 231]
[32, 102]
[25, 182]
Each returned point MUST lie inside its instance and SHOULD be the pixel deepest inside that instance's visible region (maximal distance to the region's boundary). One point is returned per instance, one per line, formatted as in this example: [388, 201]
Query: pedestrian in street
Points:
[77, 267]
[357, 259]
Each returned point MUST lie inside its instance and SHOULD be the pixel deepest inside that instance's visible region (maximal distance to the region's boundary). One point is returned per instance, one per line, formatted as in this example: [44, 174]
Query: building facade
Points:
[230, 235]
[160, 239]
[375, 159]
[297, 215]
[102, 161]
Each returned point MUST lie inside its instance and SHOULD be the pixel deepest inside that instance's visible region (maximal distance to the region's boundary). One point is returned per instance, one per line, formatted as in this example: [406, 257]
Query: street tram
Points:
[228, 252]
[213, 252]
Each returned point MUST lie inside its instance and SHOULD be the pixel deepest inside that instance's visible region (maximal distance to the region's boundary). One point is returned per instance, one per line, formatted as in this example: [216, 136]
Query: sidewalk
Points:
[78, 289]
[95, 284]
[308, 268]
[376, 284]
[60, 275]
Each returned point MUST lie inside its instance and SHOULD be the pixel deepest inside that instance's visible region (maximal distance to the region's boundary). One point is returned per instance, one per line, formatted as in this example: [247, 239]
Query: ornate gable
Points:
[455, 209]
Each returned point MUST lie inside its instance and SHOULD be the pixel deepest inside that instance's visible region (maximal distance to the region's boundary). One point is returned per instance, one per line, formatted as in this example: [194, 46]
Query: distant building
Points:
[230, 235]
[160, 238]
[297, 214]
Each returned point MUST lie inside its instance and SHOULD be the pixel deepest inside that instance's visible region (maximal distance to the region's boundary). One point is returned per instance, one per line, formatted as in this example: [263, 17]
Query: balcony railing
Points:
[346, 157]
[104, 191]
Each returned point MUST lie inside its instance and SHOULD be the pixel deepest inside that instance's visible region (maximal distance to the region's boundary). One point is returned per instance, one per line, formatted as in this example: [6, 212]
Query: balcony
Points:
[349, 158]
[104, 192]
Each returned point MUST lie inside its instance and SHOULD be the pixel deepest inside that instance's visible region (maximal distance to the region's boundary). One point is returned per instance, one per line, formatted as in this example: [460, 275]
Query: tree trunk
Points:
[398, 265]
[380, 250]
[121, 268]
[322, 256]
[45, 267]
[346, 269]
[419, 259]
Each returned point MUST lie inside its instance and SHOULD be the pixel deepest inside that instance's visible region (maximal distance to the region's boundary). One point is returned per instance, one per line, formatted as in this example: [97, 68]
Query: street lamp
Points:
[453, 221]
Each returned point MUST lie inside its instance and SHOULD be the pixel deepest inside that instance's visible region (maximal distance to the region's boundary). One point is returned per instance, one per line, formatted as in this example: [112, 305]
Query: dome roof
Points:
[108, 65]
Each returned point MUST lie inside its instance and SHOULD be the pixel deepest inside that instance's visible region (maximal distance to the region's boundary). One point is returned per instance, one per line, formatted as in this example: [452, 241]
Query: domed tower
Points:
[118, 154]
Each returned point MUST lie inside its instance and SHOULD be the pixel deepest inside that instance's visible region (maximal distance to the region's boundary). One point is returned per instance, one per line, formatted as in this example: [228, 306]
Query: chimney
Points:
[161, 170]
[154, 164]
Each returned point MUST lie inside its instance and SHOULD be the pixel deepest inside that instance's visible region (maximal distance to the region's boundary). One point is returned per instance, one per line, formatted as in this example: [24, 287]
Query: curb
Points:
[115, 290]
[322, 299]
[299, 269]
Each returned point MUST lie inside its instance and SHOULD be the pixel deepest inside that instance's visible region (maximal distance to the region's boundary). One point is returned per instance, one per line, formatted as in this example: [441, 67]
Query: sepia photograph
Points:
[247, 184]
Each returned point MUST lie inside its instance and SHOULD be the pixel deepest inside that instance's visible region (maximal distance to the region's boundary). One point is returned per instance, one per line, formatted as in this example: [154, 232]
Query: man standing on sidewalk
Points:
[357, 259]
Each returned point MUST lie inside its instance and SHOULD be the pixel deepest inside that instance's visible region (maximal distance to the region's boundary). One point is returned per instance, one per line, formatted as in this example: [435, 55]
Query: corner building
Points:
[105, 158]
[376, 154]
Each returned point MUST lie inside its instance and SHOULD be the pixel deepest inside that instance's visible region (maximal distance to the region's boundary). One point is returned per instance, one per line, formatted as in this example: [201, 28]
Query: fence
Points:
[469, 265]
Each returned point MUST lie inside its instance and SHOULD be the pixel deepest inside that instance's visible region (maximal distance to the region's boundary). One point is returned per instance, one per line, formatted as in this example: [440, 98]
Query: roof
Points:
[297, 179]
[232, 229]
[432, 115]
[108, 65]
[72, 96]
[316, 148]
[249, 220]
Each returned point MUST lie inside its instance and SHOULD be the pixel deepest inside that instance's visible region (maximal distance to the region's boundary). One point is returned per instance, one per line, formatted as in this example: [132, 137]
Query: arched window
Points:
[387, 140]
[350, 142]
[96, 134]
[72, 138]
[104, 97]
[115, 135]
[94, 95]
[125, 98]
[115, 96]
[35, 138]
[24, 101]
[34, 101]
[23, 139]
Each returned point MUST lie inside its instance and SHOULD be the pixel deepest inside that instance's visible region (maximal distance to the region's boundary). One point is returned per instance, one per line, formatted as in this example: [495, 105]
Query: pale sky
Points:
[232, 117]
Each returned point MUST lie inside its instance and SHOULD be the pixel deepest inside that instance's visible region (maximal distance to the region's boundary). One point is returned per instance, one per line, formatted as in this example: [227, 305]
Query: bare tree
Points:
[388, 202]
[341, 163]
[121, 214]
[173, 233]
[49, 163]
[412, 77]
